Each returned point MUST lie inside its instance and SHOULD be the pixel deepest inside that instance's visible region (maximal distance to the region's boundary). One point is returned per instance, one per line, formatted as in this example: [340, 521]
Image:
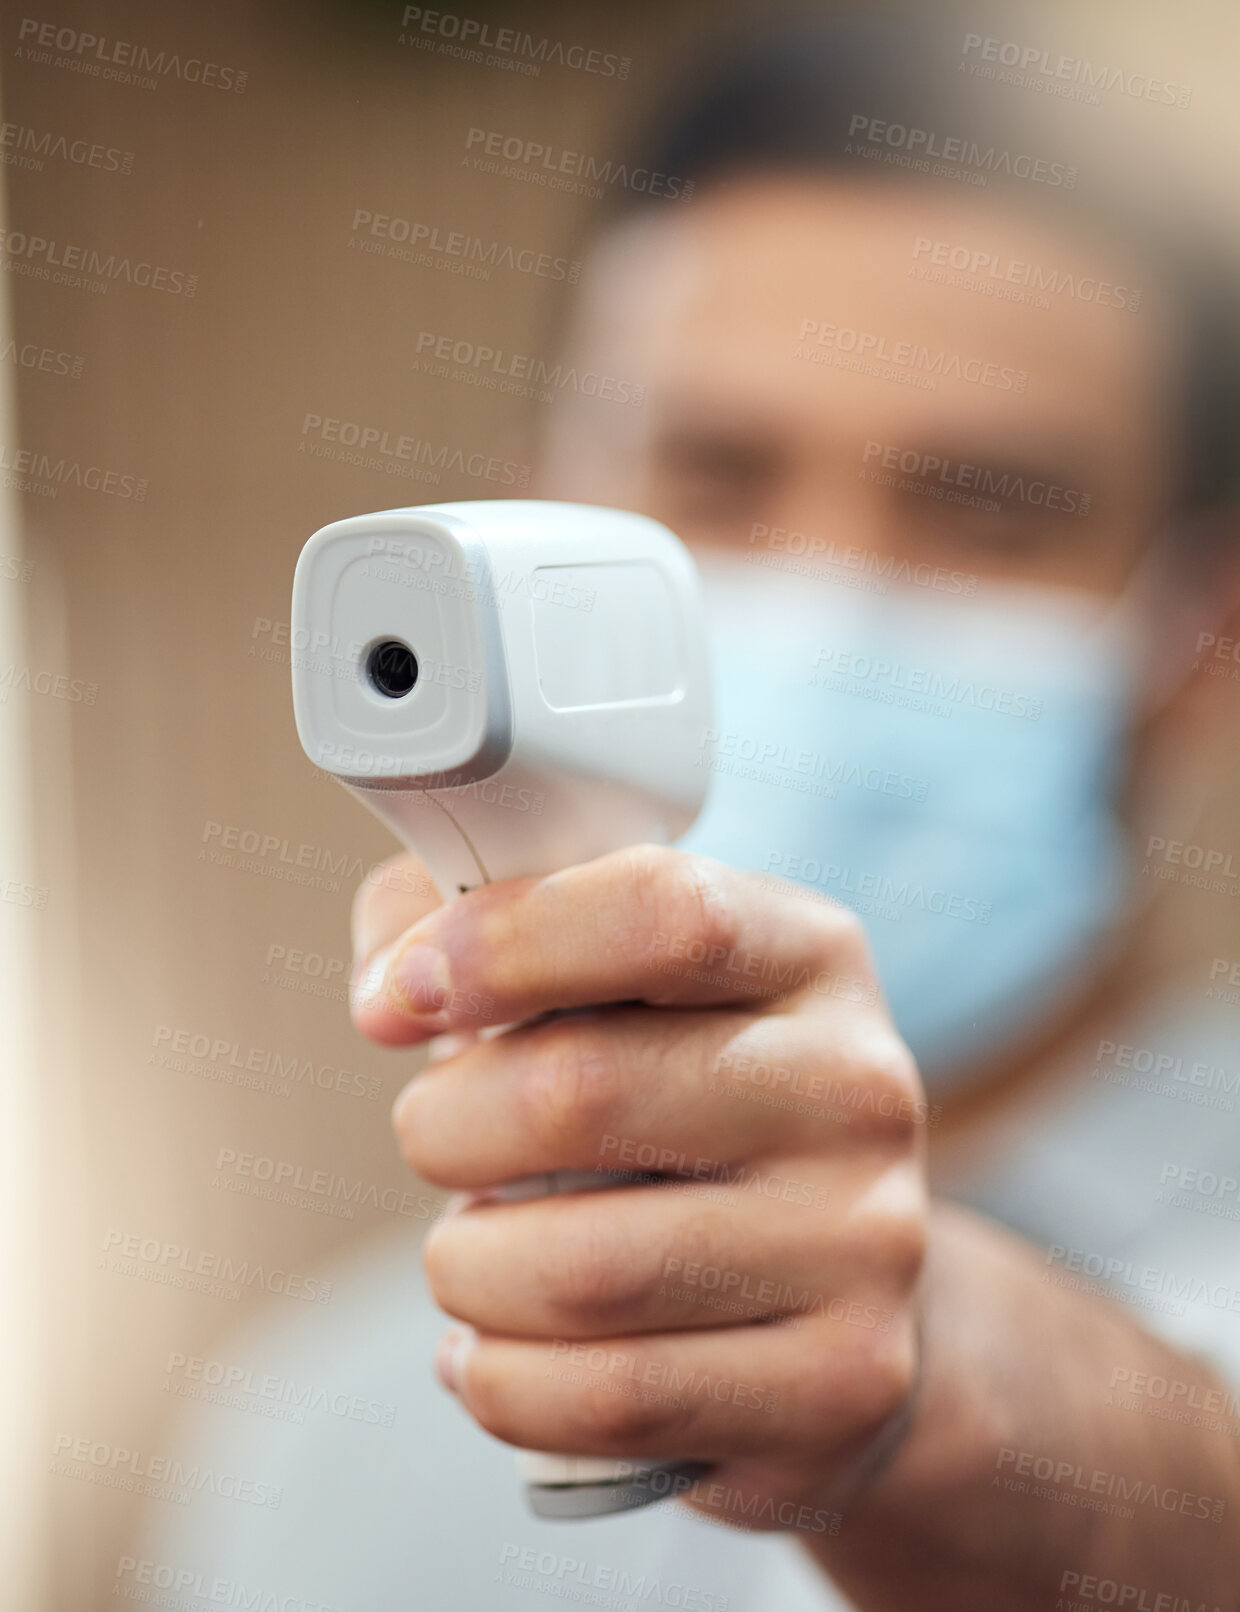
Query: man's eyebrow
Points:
[745, 438]
[933, 458]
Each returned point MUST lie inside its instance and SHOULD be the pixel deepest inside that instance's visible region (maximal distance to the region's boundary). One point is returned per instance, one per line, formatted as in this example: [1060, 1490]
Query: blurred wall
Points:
[170, 475]
[169, 484]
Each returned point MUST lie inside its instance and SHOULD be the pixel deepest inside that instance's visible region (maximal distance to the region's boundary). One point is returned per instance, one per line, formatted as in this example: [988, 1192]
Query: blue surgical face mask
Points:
[947, 767]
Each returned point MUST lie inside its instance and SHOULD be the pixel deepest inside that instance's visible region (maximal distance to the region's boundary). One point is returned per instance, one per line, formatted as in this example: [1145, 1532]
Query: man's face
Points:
[811, 369]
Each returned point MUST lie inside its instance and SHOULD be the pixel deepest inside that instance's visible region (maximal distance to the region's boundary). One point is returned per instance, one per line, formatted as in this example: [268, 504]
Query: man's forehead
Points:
[782, 296]
[773, 251]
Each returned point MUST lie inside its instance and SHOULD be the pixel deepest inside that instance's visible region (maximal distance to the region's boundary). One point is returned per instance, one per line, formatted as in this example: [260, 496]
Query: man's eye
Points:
[722, 462]
[997, 529]
[714, 480]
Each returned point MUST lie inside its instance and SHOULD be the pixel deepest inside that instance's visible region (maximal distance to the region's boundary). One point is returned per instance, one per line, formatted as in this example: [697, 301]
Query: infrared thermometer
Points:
[514, 687]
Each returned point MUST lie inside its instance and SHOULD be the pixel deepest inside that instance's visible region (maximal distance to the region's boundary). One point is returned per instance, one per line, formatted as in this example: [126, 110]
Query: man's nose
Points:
[829, 509]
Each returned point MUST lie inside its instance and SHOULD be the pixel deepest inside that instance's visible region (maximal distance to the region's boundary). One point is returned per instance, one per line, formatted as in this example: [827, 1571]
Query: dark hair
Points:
[784, 99]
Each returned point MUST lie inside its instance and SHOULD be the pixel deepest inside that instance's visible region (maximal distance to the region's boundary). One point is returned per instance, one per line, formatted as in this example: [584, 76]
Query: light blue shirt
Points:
[1120, 1164]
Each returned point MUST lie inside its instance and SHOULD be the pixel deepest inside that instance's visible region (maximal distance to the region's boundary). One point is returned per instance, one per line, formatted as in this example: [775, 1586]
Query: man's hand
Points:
[756, 1302]
[751, 1302]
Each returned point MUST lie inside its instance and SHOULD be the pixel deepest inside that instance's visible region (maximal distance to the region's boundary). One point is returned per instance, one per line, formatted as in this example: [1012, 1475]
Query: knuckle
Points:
[569, 1089]
[678, 894]
[490, 1398]
[867, 1382]
[874, 1057]
[840, 924]
[617, 1422]
[441, 1263]
[694, 898]
[895, 1068]
[819, 1391]
[842, 938]
[494, 956]
[643, 871]
[891, 1234]
[904, 1247]
[887, 1376]
[416, 1138]
[595, 1278]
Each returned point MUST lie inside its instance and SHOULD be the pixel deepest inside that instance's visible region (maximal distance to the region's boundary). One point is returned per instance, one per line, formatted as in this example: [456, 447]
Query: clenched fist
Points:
[741, 1290]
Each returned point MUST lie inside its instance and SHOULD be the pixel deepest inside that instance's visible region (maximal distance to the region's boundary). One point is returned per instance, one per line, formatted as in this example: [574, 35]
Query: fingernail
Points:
[368, 982]
[420, 980]
[441, 1047]
[450, 1357]
[402, 1097]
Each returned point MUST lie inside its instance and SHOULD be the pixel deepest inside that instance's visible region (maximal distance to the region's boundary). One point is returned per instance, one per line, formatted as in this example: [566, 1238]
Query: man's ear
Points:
[1195, 617]
[1215, 647]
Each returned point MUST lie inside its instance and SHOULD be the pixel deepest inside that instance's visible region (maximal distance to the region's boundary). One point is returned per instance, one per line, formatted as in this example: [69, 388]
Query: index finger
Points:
[646, 924]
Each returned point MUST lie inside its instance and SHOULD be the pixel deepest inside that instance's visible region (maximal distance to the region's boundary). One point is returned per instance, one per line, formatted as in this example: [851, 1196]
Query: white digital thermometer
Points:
[514, 687]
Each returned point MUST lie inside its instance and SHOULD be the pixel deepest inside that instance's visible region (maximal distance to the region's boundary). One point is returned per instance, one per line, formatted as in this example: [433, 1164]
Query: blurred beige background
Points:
[148, 930]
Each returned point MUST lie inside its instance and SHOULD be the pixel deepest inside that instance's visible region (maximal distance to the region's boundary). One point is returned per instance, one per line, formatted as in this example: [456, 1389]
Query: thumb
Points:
[394, 896]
